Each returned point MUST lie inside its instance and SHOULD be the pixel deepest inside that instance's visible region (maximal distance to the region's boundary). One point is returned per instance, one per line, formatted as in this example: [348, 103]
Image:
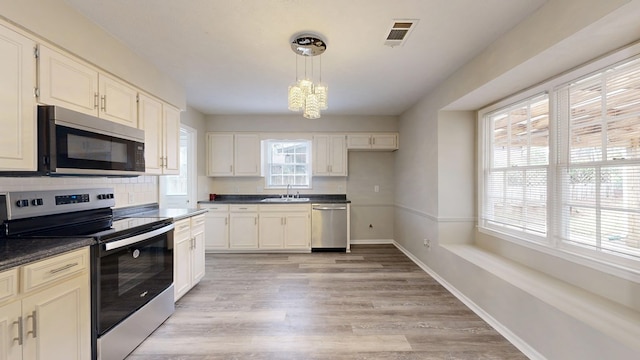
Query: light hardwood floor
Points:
[373, 303]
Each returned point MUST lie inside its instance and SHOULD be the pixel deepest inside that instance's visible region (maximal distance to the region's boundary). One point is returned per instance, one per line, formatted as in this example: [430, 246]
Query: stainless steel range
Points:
[132, 260]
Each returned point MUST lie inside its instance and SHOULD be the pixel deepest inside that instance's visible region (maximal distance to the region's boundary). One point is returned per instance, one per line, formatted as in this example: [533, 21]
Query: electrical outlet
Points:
[376, 188]
[427, 244]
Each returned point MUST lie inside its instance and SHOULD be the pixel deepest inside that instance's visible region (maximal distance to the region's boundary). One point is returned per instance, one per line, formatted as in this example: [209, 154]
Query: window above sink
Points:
[287, 162]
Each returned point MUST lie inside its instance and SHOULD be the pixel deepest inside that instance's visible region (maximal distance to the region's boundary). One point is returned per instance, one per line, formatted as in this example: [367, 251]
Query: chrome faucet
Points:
[288, 187]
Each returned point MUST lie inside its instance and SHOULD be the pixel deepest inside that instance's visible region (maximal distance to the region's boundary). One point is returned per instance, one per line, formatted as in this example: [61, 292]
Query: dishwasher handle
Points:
[329, 208]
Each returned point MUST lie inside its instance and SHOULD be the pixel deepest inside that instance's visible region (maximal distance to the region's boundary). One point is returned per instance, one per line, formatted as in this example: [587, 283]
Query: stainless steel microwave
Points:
[73, 143]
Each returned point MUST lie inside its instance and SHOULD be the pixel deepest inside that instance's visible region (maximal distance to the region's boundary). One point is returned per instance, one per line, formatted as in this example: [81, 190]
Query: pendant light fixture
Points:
[305, 94]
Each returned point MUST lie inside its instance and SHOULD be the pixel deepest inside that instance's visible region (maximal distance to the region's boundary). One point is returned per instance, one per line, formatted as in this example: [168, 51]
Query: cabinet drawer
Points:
[197, 220]
[8, 284]
[243, 208]
[215, 208]
[297, 208]
[48, 271]
[182, 226]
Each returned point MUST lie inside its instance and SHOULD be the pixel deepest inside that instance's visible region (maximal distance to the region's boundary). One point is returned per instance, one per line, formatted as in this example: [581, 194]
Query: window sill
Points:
[613, 319]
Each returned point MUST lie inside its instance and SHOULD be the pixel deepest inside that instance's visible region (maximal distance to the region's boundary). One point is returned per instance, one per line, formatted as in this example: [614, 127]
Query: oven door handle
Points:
[138, 238]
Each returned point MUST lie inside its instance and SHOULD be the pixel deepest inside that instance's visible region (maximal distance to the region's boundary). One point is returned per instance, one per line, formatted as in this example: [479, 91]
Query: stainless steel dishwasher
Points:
[329, 227]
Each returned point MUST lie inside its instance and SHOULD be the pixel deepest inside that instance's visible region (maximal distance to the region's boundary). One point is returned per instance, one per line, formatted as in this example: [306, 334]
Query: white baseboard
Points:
[523, 346]
[372, 241]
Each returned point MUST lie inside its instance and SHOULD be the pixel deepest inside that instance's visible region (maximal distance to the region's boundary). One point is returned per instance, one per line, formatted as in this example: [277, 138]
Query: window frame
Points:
[266, 169]
[625, 267]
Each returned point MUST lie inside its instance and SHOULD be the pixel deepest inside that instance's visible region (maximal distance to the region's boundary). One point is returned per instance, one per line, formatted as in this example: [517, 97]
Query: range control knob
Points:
[37, 202]
[22, 203]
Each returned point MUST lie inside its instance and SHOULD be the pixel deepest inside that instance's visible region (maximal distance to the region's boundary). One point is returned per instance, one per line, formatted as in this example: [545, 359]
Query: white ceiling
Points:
[233, 56]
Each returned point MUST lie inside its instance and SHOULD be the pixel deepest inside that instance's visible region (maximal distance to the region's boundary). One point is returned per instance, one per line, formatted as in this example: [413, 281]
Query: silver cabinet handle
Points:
[33, 323]
[329, 208]
[63, 268]
[104, 103]
[95, 100]
[20, 330]
[134, 239]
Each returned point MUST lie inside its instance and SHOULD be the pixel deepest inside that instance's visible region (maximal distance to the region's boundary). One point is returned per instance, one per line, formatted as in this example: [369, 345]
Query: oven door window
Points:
[81, 149]
[131, 276]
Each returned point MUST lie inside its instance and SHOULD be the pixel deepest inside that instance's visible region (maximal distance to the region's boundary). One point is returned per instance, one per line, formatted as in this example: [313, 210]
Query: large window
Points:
[599, 160]
[562, 168]
[516, 172]
[287, 162]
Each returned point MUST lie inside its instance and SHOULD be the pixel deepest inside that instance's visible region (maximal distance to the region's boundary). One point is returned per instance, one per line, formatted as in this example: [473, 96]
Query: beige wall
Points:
[436, 179]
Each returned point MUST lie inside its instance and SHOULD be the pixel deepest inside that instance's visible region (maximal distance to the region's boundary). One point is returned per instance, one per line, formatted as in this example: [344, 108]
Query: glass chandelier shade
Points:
[305, 95]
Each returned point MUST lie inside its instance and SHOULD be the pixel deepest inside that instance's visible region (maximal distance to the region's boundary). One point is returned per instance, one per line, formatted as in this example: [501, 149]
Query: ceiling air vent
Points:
[399, 31]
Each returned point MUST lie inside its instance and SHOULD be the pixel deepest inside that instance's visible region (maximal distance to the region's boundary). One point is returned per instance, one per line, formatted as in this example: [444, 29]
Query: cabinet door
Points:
[298, 231]
[10, 349]
[150, 120]
[359, 141]
[182, 258]
[384, 141]
[243, 231]
[57, 321]
[338, 155]
[171, 122]
[216, 230]
[271, 230]
[197, 251]
[118, 101]
[247, 155]
[17, 119]
[321, 161]
[67, 82]
[219, 154]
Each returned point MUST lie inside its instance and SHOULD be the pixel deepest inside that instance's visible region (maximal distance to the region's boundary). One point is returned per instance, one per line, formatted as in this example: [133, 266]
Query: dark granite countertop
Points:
[152, 210]
[257, 199]
[18, 251]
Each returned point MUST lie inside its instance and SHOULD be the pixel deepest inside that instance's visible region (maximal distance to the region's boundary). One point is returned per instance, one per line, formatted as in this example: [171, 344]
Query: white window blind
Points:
[599, 161]
[517, 158]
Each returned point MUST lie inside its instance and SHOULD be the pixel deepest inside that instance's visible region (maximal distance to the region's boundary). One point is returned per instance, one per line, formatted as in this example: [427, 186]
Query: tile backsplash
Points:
[128, 191]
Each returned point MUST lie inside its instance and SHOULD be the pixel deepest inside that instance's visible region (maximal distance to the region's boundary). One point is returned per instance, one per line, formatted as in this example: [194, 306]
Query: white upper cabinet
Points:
[246, 158]
[150, 120]
[118, 101]
[161, 125]
[233, 154]
[219, 154]
[73, 84]
[171, 139]
[17, 103]
[374, 141]
[329, 155]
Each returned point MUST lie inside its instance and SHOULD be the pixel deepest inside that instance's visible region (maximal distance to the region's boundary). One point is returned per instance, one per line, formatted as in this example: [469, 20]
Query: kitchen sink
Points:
[284, 200]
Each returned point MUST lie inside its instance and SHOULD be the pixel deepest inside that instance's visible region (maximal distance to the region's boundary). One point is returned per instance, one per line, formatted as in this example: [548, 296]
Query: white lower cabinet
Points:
[285, 227]
[243, 227]
[251, 227]
[50, 317]
[188, 254]
[216, 225]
